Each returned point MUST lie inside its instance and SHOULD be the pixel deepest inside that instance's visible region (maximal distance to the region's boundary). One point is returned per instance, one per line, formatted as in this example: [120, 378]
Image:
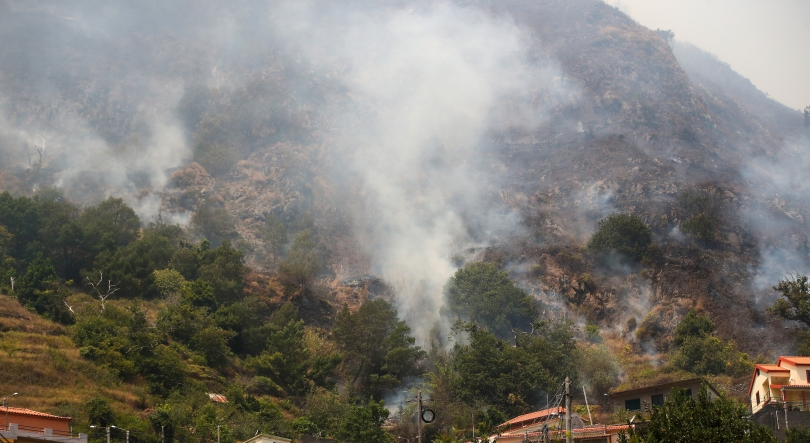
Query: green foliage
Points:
[169, 282]
[99, 412]
[699, 227]
[378, 348]
[795, 301]
[286, 360]
[224, 269]
[482, 294]
[363, 423]
[274, 235]
[798, 435]
[214, 223]
[39, 290]
[623, 233]
[694, 326]
[598, 369]
[699, 352]
[21, 219]
[132, 266]
[689, 420]
[109, 225]
[302, 263]
[513, 378]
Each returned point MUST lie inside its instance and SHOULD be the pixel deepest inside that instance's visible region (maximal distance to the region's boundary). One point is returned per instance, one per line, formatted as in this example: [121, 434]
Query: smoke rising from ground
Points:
[432, 82]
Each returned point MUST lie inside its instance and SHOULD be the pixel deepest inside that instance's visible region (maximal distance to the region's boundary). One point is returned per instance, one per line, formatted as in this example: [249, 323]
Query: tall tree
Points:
[274, 235]
[483, 294]
[378, 348]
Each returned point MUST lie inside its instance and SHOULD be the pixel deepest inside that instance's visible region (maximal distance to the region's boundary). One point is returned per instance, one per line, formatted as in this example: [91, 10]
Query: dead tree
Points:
[111, 288]
[12, 283]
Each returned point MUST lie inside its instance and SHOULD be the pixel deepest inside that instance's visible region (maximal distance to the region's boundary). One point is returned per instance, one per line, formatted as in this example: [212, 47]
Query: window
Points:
[633, 405]
[757, 397]
[658, 400]
[808, 376]
[689, 392]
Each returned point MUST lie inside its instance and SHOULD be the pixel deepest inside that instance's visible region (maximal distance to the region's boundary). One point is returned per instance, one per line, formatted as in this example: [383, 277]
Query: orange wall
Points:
[37, 422]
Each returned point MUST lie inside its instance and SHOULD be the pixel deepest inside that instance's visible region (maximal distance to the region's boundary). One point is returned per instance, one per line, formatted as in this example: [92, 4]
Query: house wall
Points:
[35, 422]
[646, 396]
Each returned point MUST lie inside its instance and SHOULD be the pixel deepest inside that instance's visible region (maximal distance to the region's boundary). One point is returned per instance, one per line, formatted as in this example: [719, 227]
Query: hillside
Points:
[277, 162]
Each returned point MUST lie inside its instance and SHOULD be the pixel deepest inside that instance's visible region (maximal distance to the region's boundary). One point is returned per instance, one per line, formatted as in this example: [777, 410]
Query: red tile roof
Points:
[533, 417]
[794, 360]
[23, 411]
[772, 368]
[578, 433]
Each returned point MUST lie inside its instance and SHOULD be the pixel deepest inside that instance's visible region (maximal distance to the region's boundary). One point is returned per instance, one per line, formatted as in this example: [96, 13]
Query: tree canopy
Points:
[482, 294]
[623, 233]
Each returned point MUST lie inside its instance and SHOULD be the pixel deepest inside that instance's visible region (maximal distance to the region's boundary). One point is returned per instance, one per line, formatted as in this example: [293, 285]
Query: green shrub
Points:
[623, 233]
[699, 227]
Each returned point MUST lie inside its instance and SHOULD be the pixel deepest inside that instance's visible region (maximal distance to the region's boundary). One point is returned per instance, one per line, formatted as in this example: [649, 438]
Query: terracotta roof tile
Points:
[533, 416]
[23, 411]
[795, 360]
[772, 368]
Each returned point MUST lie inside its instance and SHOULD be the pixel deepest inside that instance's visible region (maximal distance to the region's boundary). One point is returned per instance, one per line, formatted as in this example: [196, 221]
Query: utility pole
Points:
[472, 416]
[162, 435]
[569, 433]
[217, 434]
[108, 434]
[419, 417]
[590, 419]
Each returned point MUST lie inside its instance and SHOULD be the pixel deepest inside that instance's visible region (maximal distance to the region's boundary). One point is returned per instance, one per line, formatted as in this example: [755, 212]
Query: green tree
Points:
[700, 352]
[302, 263]
[61, 233]
[39, 289]
[623, 233]
[274, 235]
[214, 223]
[363, 423]
[513, 378]
[798, 435]
[598, 369]
[685, 419]
[482, 294]
[21, 219]
[109, 225]
[99, 412]
[224, 269]
[694, 326]
[378, 348]
[699, 227]
[795, 301]
[132, 266]
[169, 281]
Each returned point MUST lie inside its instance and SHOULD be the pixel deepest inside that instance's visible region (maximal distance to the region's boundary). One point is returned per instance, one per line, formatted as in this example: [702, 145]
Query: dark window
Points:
[808, 376]
[757, 397]
[658, 400]
[633, 405]
[689, 392]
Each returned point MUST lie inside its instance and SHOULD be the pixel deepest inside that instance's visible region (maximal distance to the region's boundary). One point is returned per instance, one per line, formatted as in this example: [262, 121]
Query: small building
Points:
[643, 399]
[261, 438]
[780, 394]
[26, 425]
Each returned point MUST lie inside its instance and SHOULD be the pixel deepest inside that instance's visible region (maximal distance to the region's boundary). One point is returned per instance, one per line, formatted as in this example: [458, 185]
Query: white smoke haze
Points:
[781, 179]
[433, 82]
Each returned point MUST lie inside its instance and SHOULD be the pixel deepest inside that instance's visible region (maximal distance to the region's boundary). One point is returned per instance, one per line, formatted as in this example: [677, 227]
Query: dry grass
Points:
[41, 362]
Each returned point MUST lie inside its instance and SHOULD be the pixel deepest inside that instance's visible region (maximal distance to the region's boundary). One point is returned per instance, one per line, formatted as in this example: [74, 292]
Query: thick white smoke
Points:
[431, 83]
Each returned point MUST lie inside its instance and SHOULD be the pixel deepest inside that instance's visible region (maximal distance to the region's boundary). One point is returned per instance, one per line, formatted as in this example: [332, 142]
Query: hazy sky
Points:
[767, 41]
